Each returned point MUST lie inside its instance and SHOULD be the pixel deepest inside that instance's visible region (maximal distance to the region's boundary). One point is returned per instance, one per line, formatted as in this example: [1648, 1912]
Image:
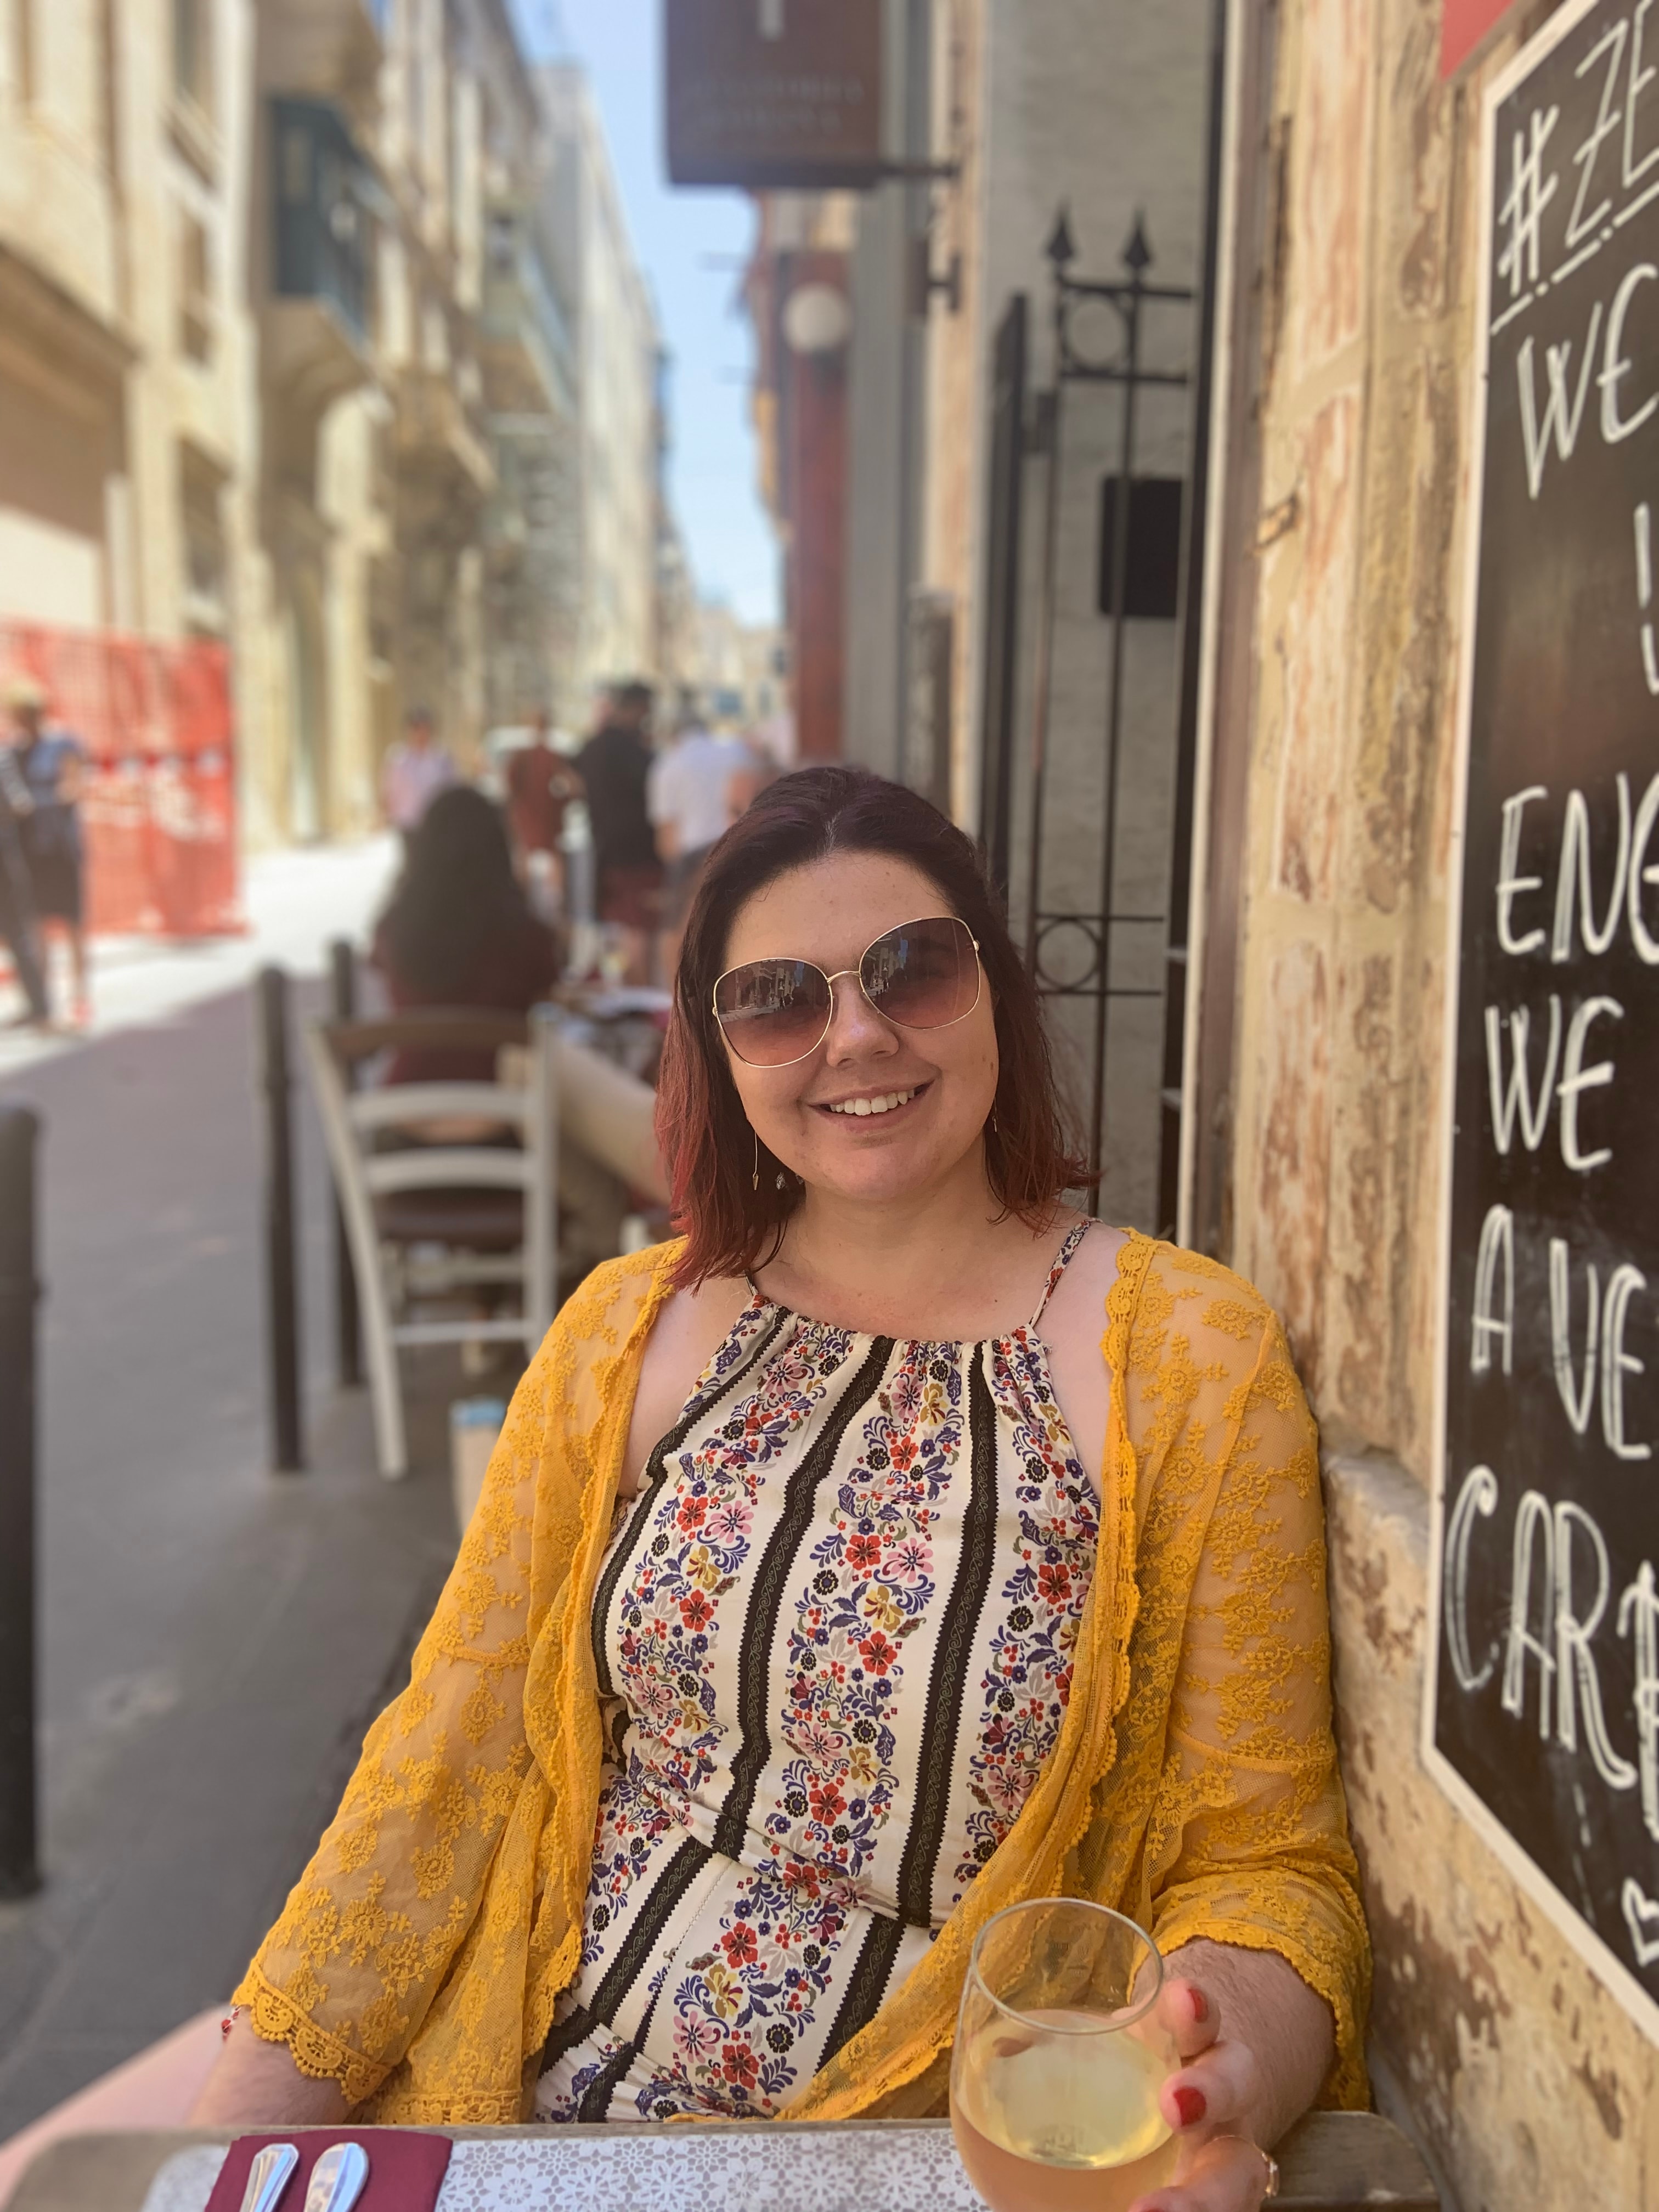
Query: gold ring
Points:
[1268, 2159]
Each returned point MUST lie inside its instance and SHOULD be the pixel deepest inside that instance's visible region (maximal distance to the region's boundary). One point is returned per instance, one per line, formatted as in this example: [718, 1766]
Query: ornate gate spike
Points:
[1138, 254]
[1061, 247]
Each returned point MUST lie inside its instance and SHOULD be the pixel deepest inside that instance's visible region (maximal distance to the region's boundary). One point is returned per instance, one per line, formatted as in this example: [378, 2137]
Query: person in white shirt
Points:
[690, 797]
[414, 772]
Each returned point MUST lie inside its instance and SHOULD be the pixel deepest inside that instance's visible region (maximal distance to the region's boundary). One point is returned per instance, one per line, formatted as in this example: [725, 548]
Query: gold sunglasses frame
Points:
[857, 974]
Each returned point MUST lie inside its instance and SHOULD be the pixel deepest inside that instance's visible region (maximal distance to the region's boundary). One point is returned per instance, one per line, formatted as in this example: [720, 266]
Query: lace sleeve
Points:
[1247, 1843]
[350, 1969]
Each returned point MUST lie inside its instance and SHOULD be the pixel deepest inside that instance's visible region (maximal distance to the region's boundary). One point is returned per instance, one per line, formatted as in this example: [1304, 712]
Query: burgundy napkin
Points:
[406, 2169]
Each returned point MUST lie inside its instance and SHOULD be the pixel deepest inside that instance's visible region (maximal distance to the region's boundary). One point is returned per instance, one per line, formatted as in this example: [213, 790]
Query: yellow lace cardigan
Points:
[1193, 1785]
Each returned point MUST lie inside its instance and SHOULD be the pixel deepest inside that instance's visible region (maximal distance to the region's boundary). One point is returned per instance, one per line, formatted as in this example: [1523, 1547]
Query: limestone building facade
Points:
[320, 334]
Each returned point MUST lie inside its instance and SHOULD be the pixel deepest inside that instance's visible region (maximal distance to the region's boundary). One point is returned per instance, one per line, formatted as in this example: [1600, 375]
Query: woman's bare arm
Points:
[257, 2084]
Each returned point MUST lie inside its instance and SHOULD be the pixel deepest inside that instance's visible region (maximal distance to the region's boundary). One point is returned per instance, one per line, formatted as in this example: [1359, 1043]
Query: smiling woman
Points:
[817, 853]
[896, 1546]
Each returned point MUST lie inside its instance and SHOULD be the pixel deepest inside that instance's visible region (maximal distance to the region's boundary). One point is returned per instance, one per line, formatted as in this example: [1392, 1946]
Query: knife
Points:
[268, 2176]
[337, 2178]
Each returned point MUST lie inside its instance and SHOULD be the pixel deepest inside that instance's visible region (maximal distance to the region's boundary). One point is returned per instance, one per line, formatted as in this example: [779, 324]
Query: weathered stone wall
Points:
[1525, 2081]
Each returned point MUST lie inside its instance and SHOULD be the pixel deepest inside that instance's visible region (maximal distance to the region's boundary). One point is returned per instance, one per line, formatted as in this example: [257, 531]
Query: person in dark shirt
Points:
[614, 765]
[459, 931]
[17, 918]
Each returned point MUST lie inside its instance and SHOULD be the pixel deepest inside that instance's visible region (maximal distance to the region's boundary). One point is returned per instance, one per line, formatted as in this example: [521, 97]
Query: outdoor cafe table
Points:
[1330, 2162]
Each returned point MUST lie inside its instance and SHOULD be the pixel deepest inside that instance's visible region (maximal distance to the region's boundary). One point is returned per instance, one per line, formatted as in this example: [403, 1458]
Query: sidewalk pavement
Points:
[214, 1638]
[297, 901]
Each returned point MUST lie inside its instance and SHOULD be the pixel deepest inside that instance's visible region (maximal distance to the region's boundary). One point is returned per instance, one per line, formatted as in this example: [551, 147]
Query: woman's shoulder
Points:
[1170, 1299]
[630, 1276]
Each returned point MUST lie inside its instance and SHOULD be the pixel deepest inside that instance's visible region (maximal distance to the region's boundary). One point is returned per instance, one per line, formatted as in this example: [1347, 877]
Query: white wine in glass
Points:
[1059, 2059]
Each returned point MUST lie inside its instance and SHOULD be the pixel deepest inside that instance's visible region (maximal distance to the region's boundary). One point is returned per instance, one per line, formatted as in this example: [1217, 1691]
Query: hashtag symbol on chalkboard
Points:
[1530, 192]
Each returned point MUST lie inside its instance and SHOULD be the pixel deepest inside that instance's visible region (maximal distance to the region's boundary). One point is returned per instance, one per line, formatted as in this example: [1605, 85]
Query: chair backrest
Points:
[352, 1119]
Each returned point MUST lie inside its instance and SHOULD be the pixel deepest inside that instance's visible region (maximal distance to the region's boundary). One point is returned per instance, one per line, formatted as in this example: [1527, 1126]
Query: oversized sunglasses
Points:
[924, 976]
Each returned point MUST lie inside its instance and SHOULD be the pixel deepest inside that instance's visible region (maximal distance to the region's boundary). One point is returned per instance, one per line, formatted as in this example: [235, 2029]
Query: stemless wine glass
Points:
[1060, 2056]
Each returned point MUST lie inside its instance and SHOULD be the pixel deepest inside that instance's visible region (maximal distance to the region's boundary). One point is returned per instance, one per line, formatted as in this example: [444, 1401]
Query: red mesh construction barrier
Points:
[159, 806]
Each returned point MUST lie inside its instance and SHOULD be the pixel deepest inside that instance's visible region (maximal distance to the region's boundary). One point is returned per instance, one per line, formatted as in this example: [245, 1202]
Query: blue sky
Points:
[690, 245]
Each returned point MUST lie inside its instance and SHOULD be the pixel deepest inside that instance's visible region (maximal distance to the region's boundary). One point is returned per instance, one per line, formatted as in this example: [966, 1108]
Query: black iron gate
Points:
[1005, 506]
[1151, 528]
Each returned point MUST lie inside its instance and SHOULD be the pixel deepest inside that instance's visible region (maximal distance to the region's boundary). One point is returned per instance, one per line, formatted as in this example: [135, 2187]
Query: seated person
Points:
[896, 1545]
[459, 931]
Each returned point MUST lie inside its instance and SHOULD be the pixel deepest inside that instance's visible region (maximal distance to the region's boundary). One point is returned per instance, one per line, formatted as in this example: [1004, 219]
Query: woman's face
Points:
[828, 913]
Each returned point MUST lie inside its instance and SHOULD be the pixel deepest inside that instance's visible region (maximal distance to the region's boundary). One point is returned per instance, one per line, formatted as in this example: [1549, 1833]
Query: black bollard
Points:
[349, 1338]
[281, 1271]
[19, 1291]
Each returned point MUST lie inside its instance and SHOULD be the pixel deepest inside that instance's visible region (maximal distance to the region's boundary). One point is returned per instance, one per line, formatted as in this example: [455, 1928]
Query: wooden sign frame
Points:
[1607, 1964]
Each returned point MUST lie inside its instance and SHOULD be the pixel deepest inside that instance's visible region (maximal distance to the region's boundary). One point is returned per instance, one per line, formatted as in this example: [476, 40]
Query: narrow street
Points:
[214, 1638]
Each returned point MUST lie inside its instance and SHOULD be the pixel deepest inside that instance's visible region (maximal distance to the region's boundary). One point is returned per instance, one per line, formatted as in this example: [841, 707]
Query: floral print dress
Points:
[834, 1632]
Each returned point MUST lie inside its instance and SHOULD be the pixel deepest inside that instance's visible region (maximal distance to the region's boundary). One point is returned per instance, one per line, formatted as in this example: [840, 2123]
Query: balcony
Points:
[317, 317]
[525, 340]
[331, 49]
[443, 464]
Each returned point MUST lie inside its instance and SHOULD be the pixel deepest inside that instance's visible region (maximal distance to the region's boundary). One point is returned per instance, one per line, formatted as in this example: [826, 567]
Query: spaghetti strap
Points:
[1074, 1237]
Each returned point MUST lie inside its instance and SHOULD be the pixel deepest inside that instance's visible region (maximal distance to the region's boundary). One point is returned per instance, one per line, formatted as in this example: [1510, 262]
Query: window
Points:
[200, 484]
[195, 289]
[192, 50]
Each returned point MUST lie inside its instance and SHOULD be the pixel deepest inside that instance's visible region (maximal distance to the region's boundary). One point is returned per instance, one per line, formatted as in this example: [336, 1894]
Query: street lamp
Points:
[817, 320]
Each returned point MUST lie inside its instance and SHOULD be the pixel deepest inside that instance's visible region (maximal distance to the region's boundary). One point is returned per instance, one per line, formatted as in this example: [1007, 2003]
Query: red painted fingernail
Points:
[1201, 2005]
[1189, 2103]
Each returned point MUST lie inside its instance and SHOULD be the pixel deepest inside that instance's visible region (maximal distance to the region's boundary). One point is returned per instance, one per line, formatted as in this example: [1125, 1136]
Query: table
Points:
[1331, 2161]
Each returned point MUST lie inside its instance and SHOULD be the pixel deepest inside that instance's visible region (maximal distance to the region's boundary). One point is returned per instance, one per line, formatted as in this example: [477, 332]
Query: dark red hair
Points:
[706, 1138]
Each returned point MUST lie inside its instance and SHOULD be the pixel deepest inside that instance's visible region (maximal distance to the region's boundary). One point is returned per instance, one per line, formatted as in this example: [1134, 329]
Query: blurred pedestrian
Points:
[459, 931]
[51, 761]
[18, 931]
[414, 772]
[614, 765]
[690, 796]
[540, 785]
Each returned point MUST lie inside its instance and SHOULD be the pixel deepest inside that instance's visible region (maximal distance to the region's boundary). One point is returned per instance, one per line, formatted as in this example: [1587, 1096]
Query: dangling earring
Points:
[754, 1179]
[995, 1131]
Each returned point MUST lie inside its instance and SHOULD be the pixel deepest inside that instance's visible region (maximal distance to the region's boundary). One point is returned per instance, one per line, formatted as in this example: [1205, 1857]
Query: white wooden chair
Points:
[438, 1218]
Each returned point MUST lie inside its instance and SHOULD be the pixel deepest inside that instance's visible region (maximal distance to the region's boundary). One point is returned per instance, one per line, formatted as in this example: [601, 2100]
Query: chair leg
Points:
[385, 1382]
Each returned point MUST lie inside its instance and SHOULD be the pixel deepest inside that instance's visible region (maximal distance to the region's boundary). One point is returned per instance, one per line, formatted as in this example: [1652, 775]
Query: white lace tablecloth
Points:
[894, 2168]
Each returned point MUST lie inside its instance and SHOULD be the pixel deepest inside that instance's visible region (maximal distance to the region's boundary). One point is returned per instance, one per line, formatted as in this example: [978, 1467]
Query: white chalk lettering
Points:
[1575, 875]
[1577, 1079]
[1641, 872]
[1608, 121]
[1534, 1522]
[1564, 413]
[1577, 1401]
[1638, 1618]
[1530, 192]
[1577, 1685]
[1617, 1363]
[1497, 1245]
[1478, 1495]
[1640, 79]
[1509, 884]
[1512, 1096]
[1644, 522]
[1616, 364]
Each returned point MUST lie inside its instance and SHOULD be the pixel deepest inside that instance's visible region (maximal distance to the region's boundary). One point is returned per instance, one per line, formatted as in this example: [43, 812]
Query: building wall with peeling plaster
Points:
[1524, 2079]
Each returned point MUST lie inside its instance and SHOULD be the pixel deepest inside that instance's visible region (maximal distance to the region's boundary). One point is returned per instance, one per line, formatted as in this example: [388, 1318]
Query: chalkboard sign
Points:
[1543, 1713]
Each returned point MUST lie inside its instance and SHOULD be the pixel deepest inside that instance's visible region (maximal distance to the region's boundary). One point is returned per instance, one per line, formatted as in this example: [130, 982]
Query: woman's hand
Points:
[1209, 2101]
[1255, 2044]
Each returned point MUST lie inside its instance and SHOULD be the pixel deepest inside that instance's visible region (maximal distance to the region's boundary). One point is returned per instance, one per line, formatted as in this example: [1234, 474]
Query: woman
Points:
[459, 931]
[896, 1546]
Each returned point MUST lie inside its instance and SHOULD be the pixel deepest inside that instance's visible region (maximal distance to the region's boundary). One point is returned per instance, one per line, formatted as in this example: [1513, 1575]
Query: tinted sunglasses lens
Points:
[924, 975]
[773, 1010]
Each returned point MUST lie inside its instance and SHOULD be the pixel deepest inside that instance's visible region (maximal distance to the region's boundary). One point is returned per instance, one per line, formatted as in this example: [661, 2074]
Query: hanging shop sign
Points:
[773, 95]
[1542, 1710]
